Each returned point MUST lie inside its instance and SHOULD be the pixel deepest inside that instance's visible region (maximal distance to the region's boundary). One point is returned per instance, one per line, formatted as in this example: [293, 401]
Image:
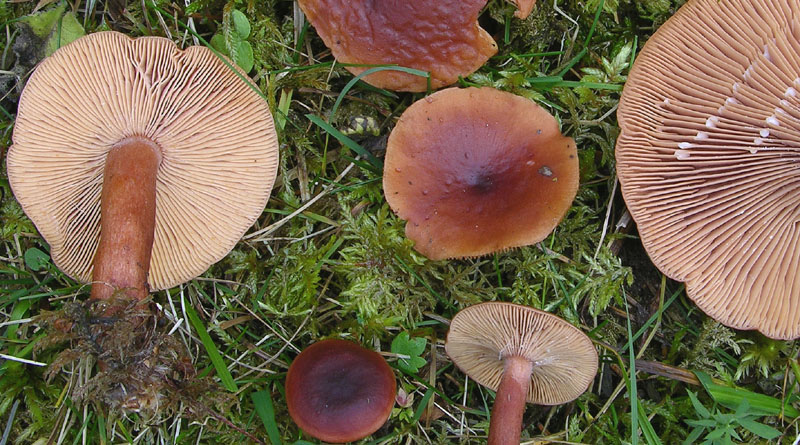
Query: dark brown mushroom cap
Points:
[443, 38]
[708, 158]
[219, 150]
[478, 170]
[338, 391]
[483, 335]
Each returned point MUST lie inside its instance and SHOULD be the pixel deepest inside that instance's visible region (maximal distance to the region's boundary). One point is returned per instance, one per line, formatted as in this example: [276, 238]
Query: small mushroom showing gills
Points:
[708, 158]
[339, 392]
[441, 37]
[524, 354]
[140, 164]
[477, 170]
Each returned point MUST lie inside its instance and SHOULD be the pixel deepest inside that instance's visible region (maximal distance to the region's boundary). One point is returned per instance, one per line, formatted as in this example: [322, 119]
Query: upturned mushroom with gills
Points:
[526, 355]
[707, 158]
[126, 155]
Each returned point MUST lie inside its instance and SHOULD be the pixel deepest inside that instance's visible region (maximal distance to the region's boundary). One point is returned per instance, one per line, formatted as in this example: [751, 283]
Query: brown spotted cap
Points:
[218, 146]
[478, 170]
[441, 37]
[564, 358]
[708, 158]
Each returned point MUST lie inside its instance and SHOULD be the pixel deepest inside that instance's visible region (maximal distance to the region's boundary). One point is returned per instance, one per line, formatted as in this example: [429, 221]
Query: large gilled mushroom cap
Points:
[443, 38]
[708, 155]
[478, 170]
[338, 391]
[218, 149]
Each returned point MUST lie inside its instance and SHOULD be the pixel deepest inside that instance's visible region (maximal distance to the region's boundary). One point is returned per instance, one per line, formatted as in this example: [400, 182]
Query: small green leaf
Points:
[731, 397]
[244, 56]
[697, 405]
[35, 259]
[759, 429]
[240, 23]
[218, 43]
[413, 347]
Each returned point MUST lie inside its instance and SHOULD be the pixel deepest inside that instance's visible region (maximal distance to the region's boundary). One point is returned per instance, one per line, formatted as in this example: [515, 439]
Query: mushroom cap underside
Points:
[707, 158]
[218, 146]
[564, 358]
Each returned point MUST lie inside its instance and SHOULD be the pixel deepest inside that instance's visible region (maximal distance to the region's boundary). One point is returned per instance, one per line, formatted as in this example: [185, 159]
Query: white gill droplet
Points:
[748, 71]
[735, 87]
[764, 132]
[790, 92]
[685, 145]
[757, 141]
[701, 136]
[772, 120]
[732, 101]
[712, 121]
[666, 101]
[766, 53]
[682, 155]
[753, 150]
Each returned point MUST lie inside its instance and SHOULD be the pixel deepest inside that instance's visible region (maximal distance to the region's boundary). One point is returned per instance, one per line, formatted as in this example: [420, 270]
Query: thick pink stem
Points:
[127, 220]
[509, 405]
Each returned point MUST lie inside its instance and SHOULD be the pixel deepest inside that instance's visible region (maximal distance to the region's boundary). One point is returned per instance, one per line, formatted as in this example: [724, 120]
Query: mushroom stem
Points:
[509, 404]
[127, 220]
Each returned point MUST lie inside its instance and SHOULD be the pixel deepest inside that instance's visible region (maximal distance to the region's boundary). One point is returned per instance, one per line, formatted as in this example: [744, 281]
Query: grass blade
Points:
[262, 400]
[213, 353]
[377, 164]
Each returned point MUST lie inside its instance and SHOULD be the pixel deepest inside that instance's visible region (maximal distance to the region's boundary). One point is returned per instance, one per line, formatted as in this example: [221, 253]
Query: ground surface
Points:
[342, 267]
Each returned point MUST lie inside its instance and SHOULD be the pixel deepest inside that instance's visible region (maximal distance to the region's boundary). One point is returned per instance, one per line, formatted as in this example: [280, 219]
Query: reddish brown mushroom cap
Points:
[338, 391]
[217, 149]
[478, 170]
[708, 158]
[443, 38]
[524, 8]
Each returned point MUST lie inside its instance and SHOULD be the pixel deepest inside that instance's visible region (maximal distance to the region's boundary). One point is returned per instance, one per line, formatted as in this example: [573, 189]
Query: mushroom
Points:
[139, 163]
[525, 355]
[707, 158]
[443, 38]
[478, 170]
[524, 8]
[338, 391]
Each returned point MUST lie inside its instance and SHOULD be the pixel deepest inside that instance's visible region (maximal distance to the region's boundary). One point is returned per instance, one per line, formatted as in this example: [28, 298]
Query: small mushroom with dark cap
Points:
[478, 170]
[441, 37]
[339, 392]
[524, 354]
